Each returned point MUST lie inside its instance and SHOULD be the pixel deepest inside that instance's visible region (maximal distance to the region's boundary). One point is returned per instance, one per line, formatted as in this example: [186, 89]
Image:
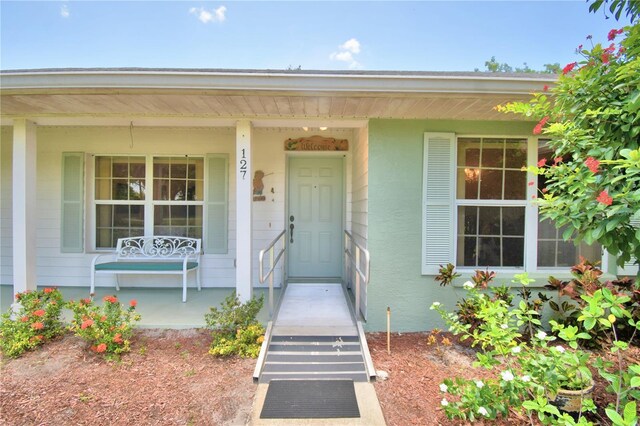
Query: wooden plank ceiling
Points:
[258, 105]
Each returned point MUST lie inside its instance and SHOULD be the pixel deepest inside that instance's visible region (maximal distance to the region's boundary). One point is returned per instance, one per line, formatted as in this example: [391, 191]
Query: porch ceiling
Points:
[252, 95]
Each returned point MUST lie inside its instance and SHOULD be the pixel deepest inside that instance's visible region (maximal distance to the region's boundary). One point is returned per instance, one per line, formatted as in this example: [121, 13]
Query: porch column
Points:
[244, 193]
[24, 205]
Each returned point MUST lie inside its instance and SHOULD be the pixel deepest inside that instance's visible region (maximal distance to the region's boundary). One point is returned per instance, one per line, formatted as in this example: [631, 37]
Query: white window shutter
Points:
[438, 201]
[217, 203]
[631, 268]
[72, 203]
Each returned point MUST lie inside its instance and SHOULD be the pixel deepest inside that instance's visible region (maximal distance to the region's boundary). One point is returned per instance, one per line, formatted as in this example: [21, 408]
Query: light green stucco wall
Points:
[395, 209]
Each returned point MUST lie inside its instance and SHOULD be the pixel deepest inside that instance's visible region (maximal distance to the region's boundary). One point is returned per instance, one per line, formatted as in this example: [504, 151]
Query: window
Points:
[477, 209]
[491, 199]
[553, 251]
[120, 194]
[125, 205]
[178, 187]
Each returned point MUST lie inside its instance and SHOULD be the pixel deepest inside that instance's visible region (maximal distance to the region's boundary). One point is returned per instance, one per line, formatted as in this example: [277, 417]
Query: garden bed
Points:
[170, 379]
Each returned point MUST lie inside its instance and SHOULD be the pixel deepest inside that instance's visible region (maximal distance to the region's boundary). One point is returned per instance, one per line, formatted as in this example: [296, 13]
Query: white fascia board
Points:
[280, 82]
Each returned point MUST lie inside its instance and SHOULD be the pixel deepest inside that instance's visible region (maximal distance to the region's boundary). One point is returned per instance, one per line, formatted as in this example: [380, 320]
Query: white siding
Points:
[6, 230]
[72, 269]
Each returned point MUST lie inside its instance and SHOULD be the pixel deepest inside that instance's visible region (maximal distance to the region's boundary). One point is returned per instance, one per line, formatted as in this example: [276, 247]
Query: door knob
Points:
[291, 232]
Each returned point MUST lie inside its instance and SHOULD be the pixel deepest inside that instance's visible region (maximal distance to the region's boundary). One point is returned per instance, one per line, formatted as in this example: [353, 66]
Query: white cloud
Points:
[64, 11]
[352, 45]
[205, 16]
[346, 52]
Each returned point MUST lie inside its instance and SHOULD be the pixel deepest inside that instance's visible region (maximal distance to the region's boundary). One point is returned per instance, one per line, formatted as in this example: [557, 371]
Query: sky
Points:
[327, 35]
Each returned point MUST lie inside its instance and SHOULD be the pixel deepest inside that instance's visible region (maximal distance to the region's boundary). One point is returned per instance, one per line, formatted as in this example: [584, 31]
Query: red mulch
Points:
[170, 379]
[167, 379]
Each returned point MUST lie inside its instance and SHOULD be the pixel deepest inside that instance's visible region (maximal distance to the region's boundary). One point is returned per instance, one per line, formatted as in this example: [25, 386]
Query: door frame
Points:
[345, 156]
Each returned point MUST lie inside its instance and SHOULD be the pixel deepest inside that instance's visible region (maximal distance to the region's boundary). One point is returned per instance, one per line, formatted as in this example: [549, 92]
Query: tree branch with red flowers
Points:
[592, 119]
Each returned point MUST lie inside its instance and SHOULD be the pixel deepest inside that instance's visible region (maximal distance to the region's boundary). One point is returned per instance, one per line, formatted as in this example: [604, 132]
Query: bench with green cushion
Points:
[151, 255]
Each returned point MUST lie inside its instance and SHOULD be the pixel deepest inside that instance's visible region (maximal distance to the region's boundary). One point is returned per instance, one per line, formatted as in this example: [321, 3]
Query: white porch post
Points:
[244, 193]
[24, 205]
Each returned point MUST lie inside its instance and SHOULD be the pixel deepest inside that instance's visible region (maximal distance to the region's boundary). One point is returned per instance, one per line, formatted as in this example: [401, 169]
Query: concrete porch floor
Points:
[158, 307]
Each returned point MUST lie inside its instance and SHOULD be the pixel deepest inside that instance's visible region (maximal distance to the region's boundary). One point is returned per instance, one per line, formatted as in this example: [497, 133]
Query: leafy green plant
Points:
[31, 321]
[107, 328]
[234, 326]
[528, 373]
[606, 308]
[446, 274]
[245, 343]
[586, 282]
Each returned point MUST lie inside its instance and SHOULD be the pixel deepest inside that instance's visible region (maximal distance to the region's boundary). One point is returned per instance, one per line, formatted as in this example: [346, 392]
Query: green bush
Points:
[108, 328]
[34, 319]
[235, 329]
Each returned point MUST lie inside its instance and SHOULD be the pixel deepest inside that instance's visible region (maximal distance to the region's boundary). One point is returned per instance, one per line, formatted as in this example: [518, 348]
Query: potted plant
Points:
[560, 370]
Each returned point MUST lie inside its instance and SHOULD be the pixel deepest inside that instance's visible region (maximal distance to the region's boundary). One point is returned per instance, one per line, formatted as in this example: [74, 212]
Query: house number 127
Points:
[243, 165]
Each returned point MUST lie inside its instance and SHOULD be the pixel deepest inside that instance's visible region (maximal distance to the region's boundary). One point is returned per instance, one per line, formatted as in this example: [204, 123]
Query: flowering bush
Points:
[591, 119]
[32, 320]
[235, 329]
[108, 328]
[528, 372]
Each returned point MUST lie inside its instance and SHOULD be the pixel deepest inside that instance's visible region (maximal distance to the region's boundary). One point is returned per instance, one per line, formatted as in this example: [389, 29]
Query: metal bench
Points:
[157, 255]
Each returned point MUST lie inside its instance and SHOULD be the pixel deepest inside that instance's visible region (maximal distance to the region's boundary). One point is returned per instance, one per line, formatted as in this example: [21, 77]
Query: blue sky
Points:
[425, 35]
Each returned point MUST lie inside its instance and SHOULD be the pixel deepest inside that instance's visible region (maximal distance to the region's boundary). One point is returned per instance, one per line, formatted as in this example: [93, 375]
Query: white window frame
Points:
[531, 213]
[148, 202]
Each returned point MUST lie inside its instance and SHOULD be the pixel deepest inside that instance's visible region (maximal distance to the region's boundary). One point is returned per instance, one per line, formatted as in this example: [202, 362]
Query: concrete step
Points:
[295, 357]
[314, 357]
[356, 376]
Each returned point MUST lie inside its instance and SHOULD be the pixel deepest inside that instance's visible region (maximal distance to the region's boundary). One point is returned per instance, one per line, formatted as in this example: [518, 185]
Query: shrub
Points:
[586, 282]
[235, 329]
[32, 320]
[107, 328]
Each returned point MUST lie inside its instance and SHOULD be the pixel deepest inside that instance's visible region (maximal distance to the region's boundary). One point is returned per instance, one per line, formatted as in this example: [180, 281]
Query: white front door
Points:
[314, 221]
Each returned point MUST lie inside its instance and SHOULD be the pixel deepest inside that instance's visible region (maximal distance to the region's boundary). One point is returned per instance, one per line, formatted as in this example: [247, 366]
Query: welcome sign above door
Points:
[316, 143]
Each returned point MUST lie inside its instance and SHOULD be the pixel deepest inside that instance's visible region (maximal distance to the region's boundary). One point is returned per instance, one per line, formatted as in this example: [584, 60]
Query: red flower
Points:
[613, 33]
[39, 337]
[545, 190]
[39, 313]
[133, 303]
[85, 301]
[117, 338]
[103, 318]
[592, 164]
[557, 160]
[611, 48]
[101, 347]
[580, 47]
[48, 290]
[569, 67]
[37, 326]
[605, 58]
[542, 162]
[24, 318]
[86, 323]
[545, 88]
[538, 129]
[110, 299]
[531, 183]
[604, 198]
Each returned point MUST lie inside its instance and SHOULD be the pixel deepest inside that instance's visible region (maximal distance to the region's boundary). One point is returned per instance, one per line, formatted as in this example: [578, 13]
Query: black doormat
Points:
[310, 399]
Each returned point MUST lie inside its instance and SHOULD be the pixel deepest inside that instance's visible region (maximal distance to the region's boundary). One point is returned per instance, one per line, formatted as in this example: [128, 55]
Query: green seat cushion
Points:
[144, 266]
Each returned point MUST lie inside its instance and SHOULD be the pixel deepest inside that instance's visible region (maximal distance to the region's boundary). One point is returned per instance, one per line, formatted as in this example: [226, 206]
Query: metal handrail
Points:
[272, 264]
[355, 261]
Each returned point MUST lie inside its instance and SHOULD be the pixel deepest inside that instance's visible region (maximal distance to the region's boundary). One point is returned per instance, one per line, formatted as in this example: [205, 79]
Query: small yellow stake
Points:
[388, 330]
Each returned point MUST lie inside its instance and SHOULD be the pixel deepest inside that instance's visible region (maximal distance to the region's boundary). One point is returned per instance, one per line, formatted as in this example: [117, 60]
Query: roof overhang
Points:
[50, 96]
